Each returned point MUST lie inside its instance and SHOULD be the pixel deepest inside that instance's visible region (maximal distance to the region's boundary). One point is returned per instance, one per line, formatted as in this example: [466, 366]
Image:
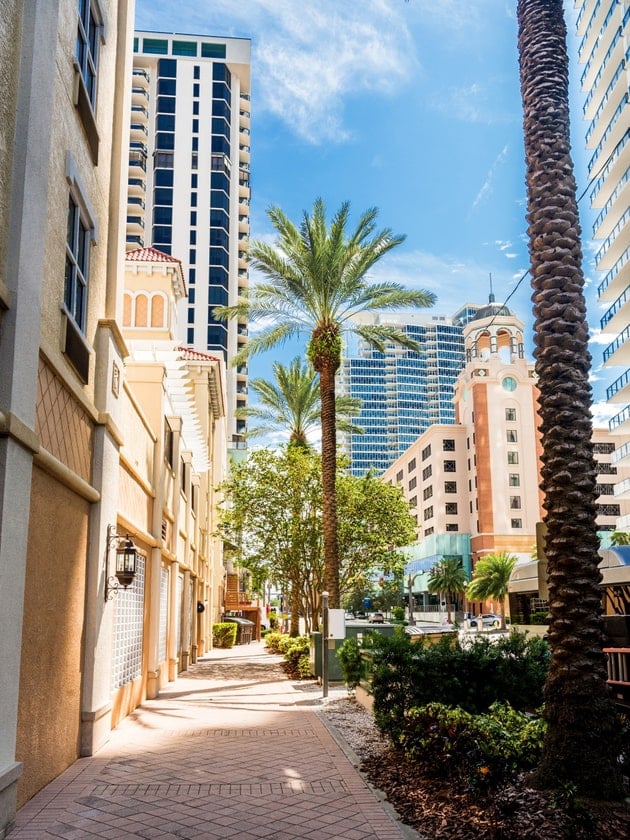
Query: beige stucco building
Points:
[109, 431]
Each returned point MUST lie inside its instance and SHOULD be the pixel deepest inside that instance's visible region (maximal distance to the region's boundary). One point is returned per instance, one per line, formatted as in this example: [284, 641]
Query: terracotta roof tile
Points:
[189, 354]
[150, 255]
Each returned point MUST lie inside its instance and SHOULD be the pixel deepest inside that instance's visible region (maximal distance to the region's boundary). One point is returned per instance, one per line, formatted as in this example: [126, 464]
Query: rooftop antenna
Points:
[491, 296]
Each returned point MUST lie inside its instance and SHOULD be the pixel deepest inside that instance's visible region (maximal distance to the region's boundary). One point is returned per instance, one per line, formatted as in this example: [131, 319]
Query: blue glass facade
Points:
[403, 392]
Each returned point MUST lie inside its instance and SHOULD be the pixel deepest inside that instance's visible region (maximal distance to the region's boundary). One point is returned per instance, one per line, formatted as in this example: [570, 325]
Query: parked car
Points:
[489, 620]
[377, 618]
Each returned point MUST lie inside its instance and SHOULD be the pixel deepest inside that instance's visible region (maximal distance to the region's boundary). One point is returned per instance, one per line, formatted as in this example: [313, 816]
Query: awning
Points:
[524, 578]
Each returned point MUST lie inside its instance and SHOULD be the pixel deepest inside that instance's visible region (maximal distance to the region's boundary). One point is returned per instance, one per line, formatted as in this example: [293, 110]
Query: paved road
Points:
[231, 751]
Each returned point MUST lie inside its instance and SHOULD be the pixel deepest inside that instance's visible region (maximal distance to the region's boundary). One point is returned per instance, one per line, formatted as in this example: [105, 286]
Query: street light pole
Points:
[325, 644]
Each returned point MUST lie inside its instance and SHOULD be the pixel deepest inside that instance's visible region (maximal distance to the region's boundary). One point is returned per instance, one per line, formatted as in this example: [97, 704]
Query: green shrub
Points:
[538, 618]
[478, 752]
[304, 666]
[349, 658]
[405, 675]
[224, 634]
[272, 641]
[398, 613]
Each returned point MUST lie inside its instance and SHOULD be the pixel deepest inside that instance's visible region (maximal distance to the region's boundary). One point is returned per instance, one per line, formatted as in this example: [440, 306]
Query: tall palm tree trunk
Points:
[580, 741]
[327, 372]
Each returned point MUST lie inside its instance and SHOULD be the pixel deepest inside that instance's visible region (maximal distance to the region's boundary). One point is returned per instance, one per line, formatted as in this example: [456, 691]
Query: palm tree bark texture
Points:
[580, 746]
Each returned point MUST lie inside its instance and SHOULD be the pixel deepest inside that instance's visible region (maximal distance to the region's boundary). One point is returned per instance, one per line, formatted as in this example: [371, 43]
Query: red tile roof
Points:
[150, 255]
[189, 354]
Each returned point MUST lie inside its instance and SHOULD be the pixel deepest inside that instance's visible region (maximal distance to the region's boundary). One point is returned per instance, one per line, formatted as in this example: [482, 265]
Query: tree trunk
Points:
[296, 601]
[580, 746]
[327, 369]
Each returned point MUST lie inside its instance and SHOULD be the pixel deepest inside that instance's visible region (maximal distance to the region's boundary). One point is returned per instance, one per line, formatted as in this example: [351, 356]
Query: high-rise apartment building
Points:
[189, 182]
[474, 485]
[402, 392]
[603, 30]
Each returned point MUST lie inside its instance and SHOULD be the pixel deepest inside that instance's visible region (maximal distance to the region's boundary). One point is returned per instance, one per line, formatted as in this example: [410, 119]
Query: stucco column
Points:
[30, 83]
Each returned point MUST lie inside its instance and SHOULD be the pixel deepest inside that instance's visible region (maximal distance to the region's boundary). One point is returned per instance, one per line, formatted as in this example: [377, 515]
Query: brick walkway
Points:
[231, 750]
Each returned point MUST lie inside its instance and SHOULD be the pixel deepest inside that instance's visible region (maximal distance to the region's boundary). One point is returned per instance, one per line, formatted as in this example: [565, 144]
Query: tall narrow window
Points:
[88, 33]
[77, 262]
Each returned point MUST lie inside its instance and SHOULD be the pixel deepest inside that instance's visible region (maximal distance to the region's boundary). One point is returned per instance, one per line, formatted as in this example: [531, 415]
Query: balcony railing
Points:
[617, 343]
[618, 384]
[619, 419]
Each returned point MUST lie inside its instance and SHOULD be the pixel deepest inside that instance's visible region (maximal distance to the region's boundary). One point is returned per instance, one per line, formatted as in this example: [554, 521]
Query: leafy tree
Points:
[581, 741]
[272, 512]
[491, 577]
[292, 403]
[619, 538]
[315, 284]
[449, 578]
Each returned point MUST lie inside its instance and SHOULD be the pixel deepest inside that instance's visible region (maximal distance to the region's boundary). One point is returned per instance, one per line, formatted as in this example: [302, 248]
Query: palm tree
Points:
[620, 538]
[315, 284]
[449, 578]
[580, 745]
[490, 579]
[293, 403]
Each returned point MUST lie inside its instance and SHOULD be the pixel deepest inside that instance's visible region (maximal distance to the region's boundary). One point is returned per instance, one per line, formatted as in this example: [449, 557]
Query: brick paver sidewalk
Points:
[231, 751]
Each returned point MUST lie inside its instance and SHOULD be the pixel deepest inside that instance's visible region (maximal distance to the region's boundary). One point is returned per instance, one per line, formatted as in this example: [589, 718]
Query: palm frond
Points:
[380, 335]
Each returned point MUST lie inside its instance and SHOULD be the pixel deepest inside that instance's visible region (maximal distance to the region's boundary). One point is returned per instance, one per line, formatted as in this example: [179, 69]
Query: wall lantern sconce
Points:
[125, 568]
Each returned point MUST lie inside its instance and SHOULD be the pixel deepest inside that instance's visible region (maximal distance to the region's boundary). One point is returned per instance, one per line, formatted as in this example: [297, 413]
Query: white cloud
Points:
[308, 58]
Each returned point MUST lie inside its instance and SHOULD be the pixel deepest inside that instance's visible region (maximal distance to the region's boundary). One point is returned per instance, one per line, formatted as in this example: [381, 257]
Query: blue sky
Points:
[410, 107]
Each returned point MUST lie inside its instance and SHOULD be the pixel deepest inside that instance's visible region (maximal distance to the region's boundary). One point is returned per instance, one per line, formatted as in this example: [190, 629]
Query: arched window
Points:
[142, 306]
[126, 310]
[157, 310]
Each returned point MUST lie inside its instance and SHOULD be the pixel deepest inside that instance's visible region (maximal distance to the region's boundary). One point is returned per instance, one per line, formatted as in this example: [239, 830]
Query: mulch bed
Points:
[516, 812]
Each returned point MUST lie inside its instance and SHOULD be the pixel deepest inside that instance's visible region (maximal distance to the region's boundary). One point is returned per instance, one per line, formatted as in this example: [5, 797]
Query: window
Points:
[426, 472]
[427, 513]
[516, 523]
[168, 445]
[450, 466]
[77, 263]
[412, 483]
[411, 465]
[452, 526]
[603, 448]
[448, 445]
[450, 487]
[426, 452]
[608, 510]
[604, 489]
[399, 476]
[515, 502]
[510, 415]
[511, 436]
[514, 480]
[509, 383]
[427, 492]
[512, 457]
[413, 502]
[451, 508]
[80, 234]
[89, 33]
[88, 37]
[428, 531]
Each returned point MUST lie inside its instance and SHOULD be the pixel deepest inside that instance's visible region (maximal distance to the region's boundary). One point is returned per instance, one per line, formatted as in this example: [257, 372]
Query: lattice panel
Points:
[64, 428]
[128, 629]
[163, 614]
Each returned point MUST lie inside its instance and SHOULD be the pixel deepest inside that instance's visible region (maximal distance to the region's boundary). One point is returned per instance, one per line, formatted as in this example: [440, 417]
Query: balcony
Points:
[136, 186]
[616, 279]
[137, 160]
[618, 351]
[620, 422]
[621, 455]
[619, 391]
[139, 113]
[612, 247]
[617, 315]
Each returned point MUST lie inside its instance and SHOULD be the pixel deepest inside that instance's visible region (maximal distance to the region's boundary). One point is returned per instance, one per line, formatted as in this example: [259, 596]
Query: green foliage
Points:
[304, 667]
[349, 658]
[272, 641]
[296, 654]
[398, 613]
[292, 403]
[491, 577]
[272, 511]
[224, 634]
[477, 751]
[539, 618]
[511, 670]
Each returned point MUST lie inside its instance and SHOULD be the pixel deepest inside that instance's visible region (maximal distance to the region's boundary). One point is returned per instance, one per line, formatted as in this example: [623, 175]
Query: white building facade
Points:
[603, 30]
[189, 182]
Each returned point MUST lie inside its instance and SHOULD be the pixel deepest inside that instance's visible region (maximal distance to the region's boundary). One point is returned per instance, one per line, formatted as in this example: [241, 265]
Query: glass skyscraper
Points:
[189, 181]
[402, 392]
